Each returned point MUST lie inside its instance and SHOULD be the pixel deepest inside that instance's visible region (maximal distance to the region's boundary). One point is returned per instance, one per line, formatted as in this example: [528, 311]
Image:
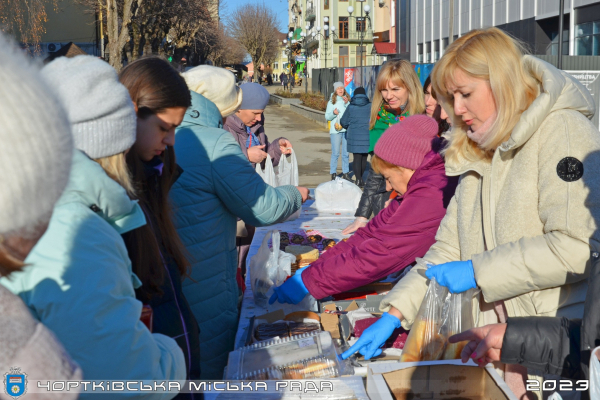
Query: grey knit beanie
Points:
[100, 110]
[36, 141]
[254, 96]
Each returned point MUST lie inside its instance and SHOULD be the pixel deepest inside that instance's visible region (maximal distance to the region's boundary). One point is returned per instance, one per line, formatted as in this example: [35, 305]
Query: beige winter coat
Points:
[527, 230]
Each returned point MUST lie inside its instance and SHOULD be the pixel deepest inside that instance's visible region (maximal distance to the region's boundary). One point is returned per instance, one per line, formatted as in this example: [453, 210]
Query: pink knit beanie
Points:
[406, 143]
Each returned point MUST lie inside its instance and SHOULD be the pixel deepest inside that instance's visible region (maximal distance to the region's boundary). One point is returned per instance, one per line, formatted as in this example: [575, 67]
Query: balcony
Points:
[353, 35]
[312, 42]
[311, 14]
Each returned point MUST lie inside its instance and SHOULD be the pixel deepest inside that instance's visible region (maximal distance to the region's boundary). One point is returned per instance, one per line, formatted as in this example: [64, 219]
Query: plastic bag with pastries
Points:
[441, 315]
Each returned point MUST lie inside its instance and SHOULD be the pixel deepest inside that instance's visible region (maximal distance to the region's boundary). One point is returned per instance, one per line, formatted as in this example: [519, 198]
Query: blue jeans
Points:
[337, 140]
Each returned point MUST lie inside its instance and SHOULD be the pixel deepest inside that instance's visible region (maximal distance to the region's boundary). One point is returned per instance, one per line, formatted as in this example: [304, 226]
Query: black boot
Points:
[360, 183]
[346, 177]
[333, 176]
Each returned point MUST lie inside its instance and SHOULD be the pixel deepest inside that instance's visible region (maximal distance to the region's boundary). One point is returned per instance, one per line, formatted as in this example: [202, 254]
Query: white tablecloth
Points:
[329, 224]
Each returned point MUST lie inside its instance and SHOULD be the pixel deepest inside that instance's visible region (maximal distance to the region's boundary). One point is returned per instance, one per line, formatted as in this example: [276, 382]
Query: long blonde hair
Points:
[492, 55]
[334, 96]
[401, 73]
[116, 168]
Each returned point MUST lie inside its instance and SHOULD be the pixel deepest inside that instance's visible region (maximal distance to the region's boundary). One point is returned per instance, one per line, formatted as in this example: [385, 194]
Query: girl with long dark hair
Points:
[161, 97]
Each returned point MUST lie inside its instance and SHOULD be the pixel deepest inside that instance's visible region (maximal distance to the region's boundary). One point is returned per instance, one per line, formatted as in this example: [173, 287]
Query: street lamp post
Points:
[304, 43]
[288, 50]
[325, 35]
[363, 27]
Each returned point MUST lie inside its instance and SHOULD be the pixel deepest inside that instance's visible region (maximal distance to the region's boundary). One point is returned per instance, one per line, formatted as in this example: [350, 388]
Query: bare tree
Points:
[25, 19]
[136, 27]
[255, 27]
[227, 50]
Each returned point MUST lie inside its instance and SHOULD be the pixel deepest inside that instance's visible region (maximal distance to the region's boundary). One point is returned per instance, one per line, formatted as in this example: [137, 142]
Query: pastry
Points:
[284, 238]
[297, 239]
[314, 238]
[327, 243]
[303, 252]
[269, 331]
[298, 328]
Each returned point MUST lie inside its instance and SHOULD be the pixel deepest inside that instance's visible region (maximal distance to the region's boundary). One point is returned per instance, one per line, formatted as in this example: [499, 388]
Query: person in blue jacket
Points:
[218, 186]
[356, 122]
[78, 279]
[336, 106]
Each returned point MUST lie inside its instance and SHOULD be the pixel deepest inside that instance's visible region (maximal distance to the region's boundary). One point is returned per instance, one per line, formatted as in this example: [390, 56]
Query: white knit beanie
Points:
[37, 145]
[217, 85]
[98, 105]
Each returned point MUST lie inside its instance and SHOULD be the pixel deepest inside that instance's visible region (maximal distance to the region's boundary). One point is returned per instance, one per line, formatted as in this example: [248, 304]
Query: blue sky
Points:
[279, 7]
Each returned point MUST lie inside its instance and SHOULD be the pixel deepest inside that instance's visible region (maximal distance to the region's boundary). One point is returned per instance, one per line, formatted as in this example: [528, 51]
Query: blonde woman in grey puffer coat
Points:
[37, 148]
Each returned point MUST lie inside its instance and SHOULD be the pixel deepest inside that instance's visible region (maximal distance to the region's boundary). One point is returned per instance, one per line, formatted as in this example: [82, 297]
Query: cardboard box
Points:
[435, 380]
[369, 301]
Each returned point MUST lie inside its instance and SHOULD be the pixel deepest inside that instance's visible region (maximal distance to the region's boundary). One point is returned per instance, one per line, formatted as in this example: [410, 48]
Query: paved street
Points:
[311, 143]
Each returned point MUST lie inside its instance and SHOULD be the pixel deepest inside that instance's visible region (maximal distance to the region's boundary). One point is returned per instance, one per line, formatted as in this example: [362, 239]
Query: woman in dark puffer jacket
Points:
[356, 122]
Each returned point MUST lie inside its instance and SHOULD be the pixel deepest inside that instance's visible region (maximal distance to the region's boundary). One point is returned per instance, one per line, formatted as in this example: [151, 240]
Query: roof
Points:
[69, 50]
[385, 47]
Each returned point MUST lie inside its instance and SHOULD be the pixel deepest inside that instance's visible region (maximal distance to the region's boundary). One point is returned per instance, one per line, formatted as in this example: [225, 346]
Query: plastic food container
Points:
[308, 356]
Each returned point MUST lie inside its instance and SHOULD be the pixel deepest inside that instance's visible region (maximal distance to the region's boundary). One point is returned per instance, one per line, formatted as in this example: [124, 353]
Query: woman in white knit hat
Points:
[78, 280]
[34, 130]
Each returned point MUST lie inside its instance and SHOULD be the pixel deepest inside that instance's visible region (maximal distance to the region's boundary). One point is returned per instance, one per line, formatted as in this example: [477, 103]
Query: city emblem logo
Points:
[15, 383]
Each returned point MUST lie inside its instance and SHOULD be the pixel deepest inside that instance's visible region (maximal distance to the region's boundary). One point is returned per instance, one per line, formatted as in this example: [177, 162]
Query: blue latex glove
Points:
[374, 337]
[292, 291]
[457, 276]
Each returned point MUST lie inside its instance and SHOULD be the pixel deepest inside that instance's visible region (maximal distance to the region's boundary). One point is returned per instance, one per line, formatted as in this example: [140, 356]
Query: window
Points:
[326, 6]
[552, 48]
[587, 39]
[275, 65]
[361, 51]
[427, 52]
[420, 52]
[360, 24]
[344, 62]
[343, 28]
[436, 50]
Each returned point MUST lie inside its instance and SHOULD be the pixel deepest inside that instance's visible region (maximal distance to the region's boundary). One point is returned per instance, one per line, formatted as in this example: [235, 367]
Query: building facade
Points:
[535, 22]
[332, 36]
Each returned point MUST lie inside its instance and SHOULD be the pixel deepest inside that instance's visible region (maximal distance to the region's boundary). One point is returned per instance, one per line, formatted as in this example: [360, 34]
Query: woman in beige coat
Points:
[521, 224]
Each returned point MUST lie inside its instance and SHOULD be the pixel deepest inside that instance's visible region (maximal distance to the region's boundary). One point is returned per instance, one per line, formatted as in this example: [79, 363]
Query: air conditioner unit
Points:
[52, 47]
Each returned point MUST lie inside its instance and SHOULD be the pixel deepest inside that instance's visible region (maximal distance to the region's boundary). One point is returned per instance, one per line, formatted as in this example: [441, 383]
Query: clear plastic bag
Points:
[338, 195]
[269, 267]
[441, 315]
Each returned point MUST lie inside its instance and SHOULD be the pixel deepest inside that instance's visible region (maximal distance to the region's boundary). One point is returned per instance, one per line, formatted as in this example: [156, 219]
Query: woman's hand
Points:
[374, 337]
[345, 99]
[457, 276]
[359, 222]
[485, 343]
[285, 146]
[256, 154]
[336, 112]
[304, 192]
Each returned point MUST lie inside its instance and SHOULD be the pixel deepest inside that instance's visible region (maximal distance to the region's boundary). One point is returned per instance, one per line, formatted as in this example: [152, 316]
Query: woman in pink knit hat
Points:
[408, 157]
